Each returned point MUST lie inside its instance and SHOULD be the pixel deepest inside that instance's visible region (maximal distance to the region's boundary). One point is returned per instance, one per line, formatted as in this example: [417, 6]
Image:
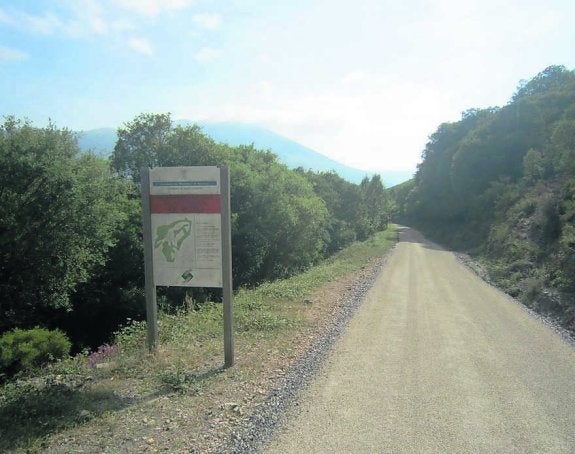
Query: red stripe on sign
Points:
[197, 203]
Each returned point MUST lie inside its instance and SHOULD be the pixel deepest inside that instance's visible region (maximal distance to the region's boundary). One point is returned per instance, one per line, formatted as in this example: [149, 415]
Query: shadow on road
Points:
[409, 235]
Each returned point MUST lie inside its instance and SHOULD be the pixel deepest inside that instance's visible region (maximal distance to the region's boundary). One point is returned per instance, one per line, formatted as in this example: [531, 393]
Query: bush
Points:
[22, 350]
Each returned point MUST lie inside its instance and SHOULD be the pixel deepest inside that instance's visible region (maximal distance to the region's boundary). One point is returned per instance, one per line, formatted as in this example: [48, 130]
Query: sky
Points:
[364, 82]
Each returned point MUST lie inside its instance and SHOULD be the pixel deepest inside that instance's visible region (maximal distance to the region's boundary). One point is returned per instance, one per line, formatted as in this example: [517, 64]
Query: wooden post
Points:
[151, 306]
[227, 268]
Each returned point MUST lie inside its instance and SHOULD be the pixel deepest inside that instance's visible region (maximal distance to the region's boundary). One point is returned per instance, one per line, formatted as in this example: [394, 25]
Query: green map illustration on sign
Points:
[170, 237]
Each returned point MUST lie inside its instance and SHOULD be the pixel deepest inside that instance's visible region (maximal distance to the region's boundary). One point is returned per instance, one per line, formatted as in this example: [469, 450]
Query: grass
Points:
[29, 412]
[79, 394]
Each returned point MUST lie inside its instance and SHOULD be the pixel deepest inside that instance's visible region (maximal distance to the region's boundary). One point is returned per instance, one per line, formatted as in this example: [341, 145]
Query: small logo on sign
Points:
[187, 276]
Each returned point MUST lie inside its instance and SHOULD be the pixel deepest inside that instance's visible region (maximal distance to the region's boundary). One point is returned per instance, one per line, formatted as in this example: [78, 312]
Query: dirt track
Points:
[438, 361]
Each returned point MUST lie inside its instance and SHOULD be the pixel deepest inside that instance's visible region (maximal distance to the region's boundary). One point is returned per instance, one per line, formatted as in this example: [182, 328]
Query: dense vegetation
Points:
[70, 222]
[501, 183]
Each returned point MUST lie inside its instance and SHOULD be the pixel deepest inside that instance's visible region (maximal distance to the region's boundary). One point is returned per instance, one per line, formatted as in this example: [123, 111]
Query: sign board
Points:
[187, 237]
[185, 207]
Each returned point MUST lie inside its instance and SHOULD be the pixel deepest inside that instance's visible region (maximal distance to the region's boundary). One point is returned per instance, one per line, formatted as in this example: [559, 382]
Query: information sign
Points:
[187, 237]
[185, 207]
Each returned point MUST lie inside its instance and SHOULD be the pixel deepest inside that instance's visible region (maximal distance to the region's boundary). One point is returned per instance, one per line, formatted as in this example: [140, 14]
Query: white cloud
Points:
[141, 45]
[368, 121]
[354, 77]
[152, 8]
[207, 54]
[88, 18]
[209, 21]
[122, 25]
[46, 24]
[83, 19]
[96, 17]
[265, 89]
[6, 18]
[8, 54]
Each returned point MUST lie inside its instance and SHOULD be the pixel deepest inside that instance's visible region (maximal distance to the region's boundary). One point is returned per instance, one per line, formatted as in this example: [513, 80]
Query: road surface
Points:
[437, 361]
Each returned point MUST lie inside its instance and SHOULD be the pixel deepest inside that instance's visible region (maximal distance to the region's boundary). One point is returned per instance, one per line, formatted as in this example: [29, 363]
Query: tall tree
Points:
[143, 142]
[58, 219]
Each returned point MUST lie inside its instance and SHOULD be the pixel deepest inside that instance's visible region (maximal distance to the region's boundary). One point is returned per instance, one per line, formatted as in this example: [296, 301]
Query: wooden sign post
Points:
[187, 237]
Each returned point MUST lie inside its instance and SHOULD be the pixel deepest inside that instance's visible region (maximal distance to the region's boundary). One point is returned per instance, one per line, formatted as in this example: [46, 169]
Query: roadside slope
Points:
[438, 361]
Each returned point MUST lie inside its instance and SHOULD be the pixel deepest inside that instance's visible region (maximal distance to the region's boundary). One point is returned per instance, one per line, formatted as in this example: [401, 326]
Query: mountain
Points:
[101, 141]
[291, 153]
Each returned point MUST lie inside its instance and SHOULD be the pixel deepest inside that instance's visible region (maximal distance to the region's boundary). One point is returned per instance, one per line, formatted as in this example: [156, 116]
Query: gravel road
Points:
[435, 360]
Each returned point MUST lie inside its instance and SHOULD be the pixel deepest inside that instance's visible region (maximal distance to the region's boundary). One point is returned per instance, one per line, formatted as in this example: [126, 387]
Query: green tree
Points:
[115, 291]
[152, 140]
[278, 223]
[376, 202]
[58, 218]
[143, 142]
[533, 165]
[563, 146]
[552, 78]
[343, 201]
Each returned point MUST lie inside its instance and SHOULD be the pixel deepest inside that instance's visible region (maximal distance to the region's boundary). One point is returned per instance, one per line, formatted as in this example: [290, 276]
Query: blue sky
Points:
[364, 82]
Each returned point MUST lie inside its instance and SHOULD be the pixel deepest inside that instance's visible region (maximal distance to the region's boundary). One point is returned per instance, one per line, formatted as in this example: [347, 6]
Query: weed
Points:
[132, 336]
[261, 321]
[176, 378]
[104, 353]
[71, 366]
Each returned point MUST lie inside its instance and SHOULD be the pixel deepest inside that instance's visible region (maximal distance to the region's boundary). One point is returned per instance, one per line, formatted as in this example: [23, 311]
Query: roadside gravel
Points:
[482, 271]
[255, 431]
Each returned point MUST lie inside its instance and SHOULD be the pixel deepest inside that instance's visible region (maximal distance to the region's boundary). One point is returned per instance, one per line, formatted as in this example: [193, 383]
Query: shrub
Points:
[22, 350]
[565, 273]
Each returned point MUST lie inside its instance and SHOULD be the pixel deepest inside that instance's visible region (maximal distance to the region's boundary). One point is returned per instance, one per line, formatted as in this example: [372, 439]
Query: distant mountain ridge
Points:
[289, 152]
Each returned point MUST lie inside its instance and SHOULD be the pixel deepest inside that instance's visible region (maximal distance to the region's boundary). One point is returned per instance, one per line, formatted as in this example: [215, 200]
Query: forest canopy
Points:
[70, 222]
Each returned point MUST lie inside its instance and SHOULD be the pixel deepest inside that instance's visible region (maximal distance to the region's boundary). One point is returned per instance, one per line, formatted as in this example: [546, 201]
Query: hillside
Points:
[500, 183]
[289, 152]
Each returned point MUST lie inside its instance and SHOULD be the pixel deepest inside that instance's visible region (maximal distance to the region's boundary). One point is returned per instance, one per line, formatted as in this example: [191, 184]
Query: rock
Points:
[233, 407]
[84, 415]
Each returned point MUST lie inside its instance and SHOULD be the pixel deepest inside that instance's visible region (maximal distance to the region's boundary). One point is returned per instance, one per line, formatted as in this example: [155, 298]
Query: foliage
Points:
[70, 222]
[565, 269]
[278, 225]
[58, 218]
[23, 350]
[500, 182]
[283, 220]
[115, 291]
[355, 211]
[151, 140]
[104, 353]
